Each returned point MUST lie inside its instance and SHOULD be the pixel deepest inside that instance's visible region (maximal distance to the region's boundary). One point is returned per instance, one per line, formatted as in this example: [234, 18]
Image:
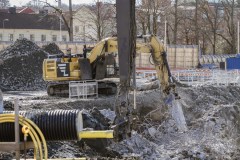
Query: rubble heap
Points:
[52, 48]
[22, 66]
[212, 116]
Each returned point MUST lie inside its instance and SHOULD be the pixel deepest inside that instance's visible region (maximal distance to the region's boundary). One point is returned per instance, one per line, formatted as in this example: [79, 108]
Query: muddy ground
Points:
[212, 115]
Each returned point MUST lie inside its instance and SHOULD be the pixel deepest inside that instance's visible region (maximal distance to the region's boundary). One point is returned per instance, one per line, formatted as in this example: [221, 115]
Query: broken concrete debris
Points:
[212, 116]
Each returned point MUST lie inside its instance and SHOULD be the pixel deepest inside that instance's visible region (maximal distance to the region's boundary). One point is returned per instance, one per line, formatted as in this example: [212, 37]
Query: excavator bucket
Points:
[169, 100]
[177, 114]
[175, 108]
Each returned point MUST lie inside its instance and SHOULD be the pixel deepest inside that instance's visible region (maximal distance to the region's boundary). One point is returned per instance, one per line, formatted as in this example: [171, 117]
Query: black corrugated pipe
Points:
[55, 125]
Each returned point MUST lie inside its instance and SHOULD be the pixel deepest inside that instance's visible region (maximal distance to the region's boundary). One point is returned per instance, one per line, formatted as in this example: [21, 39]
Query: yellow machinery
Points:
[60, 69]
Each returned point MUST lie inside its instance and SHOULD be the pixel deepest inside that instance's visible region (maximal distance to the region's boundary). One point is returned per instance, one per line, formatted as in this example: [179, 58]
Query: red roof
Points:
[26, 10]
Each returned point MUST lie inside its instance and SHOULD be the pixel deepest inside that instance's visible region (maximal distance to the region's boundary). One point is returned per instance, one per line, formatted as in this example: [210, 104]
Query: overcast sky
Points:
[23, 2]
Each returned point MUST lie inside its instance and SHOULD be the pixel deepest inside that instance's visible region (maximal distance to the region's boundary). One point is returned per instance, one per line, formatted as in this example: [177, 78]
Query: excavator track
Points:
[105, 87]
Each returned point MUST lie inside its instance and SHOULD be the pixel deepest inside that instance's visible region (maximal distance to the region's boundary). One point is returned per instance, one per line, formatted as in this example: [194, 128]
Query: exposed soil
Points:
[212, 115]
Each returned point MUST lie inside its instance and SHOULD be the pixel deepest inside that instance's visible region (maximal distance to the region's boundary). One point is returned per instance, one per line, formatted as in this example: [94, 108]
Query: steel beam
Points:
[126, 35]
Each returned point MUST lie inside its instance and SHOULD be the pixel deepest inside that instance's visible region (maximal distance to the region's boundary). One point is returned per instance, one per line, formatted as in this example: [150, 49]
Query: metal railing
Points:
[83, 89]
[200, 77]
[145, 74]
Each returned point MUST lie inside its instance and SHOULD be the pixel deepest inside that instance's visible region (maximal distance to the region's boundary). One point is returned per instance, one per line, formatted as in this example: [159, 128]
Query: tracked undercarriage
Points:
[105, 87]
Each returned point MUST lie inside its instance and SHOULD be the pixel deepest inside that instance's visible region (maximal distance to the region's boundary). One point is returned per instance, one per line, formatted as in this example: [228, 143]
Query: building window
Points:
[10, 37]
[54, 38]
[43, 38]
[64, 38]
[76, 29]
[21, 36]
[1, 37]
[32, 38]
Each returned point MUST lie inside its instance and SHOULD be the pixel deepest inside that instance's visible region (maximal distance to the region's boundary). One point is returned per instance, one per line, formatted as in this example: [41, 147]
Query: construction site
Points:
[123, 97]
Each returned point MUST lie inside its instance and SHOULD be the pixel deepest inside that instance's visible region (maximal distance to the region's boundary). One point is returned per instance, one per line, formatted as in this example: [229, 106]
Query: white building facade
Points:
[35, 27]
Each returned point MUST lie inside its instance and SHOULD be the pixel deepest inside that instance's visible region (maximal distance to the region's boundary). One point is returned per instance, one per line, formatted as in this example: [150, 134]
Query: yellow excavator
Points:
[61, 69]
[58, 70]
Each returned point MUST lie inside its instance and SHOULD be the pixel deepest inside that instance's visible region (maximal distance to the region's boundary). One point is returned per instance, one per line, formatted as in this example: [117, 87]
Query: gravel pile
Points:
[22, 66]
[52, 48]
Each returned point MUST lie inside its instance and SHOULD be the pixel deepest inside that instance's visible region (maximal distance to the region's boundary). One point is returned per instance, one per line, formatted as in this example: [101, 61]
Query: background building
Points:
[36, 27]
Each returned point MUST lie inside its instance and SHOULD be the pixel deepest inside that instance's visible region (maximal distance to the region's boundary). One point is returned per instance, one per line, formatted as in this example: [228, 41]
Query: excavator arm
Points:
[154, 47]
[159, 57]
[123, 109]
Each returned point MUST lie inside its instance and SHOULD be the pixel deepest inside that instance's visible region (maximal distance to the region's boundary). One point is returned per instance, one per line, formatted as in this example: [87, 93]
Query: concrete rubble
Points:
[212, 115]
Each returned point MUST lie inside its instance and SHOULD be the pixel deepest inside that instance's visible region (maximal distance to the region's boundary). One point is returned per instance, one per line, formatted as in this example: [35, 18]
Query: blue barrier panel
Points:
[232, 63]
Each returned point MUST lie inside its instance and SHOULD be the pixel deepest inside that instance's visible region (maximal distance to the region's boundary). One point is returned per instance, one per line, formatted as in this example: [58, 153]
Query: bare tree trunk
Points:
[149, 23]
[215, 27]
[203, 45]
[71, 21]
[175, 31]
[154, 23]
[214, 42]
[99, 37]
[175, 21]
[168, 39]
[233, 48]
[196, 23]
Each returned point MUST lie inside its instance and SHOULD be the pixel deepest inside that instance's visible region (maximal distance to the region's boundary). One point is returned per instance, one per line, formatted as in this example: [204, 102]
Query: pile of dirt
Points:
[52, 48]
[21, 66]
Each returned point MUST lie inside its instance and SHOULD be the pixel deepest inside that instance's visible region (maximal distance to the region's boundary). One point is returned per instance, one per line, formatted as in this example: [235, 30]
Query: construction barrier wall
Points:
[186, 56]
[215, 59]
[232, 63]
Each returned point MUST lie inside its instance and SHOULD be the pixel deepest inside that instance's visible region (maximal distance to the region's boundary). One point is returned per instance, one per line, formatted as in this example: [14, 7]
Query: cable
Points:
[34, 133]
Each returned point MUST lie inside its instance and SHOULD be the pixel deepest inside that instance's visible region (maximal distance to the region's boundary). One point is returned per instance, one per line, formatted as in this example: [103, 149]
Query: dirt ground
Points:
[212, 116]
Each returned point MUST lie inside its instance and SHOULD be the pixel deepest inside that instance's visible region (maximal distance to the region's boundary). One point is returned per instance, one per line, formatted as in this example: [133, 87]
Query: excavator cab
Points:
[59, 70]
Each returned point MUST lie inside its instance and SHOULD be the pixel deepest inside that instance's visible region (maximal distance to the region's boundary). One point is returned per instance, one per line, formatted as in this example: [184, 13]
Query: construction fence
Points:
[183, 56]
[186, 57]
[198, 77]
[215, 59]
[202, 77]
